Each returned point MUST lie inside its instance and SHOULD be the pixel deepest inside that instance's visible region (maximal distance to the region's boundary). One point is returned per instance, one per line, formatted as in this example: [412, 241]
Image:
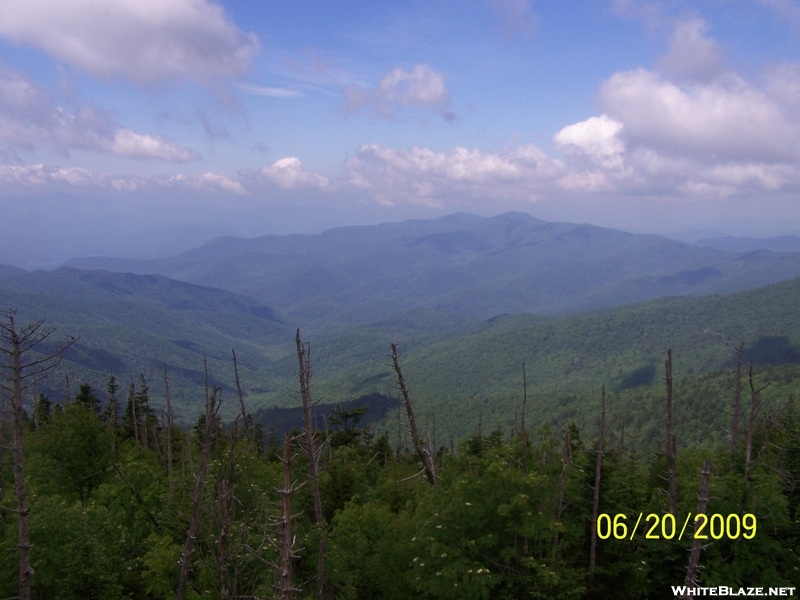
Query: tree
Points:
[212, 410]
[312, 453]
[88, 398]
[24, 367]
[79, 446]
[111, 410]
[423, 453]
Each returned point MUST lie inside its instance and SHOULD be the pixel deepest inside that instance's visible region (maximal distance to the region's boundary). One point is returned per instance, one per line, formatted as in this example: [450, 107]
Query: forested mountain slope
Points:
[460, 375]
[462, 263]
[132, 324]
[459, 369]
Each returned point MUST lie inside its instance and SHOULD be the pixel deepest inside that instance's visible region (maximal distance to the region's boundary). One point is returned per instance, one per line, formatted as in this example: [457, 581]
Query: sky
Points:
[145, 127]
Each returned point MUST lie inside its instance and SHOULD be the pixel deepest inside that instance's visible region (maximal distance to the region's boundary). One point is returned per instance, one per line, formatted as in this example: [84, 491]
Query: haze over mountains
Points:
[443, 289]
[464, 264]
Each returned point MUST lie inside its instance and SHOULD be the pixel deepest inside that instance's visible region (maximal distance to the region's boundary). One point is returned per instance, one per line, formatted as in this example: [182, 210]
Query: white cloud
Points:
[229, 185]
[425, 176]
[130, 144]
[692, 55]
[43, 176]
[148, 41]
[598, 137]
[421, 88]
[31, 118]
[727, 119]
[273, 92]
[288, 173]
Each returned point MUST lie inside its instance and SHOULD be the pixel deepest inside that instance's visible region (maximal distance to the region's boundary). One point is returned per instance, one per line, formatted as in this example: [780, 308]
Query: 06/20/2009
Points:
[715, 526]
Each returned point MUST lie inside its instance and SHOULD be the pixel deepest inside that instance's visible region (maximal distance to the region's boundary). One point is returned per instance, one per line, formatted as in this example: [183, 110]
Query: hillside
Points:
[133, 324]
[459, 369]
[461, 264]
[459, 375]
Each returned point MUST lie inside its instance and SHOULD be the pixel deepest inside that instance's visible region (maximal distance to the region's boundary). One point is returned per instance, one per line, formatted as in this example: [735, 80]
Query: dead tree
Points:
[755, 406]
[422, 452]
[242, 410]
[304, 375]
[212, 409]
[20, 372]
[737, 397]
[672, 448]
[697, 544]
[597, 474]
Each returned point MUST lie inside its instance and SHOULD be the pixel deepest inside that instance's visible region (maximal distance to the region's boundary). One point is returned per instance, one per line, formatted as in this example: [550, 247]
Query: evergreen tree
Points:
[86, 397]
[42, 411]
[111, 410]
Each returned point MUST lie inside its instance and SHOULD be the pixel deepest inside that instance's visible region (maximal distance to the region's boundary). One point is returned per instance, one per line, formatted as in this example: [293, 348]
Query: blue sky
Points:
[123, 122]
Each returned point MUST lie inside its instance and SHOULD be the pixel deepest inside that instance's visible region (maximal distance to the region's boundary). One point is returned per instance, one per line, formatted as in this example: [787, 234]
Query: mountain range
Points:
[460, 264]
[468, 300]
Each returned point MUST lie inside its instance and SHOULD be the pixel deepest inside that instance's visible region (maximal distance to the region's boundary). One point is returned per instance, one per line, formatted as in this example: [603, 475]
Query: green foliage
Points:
[75, 450]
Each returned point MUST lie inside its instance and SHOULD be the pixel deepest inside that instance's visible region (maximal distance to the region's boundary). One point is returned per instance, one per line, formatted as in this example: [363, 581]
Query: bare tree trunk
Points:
[23, 542]
[287, 588]
[424, 455]
[304, 375]
[755, 406]
[671, 440]
[169, 427]
[211, 413]
[697, 545]
[242, 410]
[737, 396]
[597, 474]
[15, 377]
[399, 434]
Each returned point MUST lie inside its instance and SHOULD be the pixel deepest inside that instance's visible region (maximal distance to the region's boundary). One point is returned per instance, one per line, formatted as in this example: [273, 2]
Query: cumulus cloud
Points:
[597, 137]
[421, 88]
[288, 173]
[130, 144]
[147, 41]
[222, 182]
[425, 176]
[31, 118]
[730, 119]
[692, 55]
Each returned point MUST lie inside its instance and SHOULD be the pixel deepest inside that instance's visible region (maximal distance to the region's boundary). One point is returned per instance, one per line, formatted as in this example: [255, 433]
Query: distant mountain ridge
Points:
[782, 243]
[462, 263]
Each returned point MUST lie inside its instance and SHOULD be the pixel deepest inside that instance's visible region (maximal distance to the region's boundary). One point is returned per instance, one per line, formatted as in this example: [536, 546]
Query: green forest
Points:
[105, 496]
